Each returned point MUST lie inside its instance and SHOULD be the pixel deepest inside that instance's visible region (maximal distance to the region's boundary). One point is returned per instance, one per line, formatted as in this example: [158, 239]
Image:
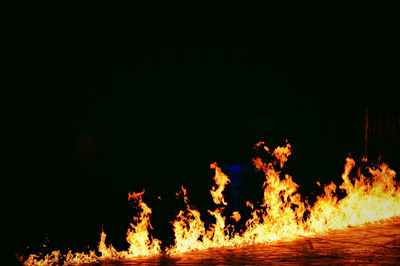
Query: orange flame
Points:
[236, 216]
[281, 153]
[138, 237]
[49, 259]
[281, 215]
[189, 230]
[221, 180]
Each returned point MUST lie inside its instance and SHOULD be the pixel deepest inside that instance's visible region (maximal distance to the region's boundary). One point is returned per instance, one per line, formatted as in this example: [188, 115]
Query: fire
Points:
[189, 230]
[281, 153]
[367, 200]
[236, 216]
[49, 259]
[282, 214]
[138, 237]
[221, 180]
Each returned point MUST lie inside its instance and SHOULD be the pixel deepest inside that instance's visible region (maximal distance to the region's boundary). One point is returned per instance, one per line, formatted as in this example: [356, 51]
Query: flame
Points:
[282, 214]
[281, 153]
[138, 237]
[367, 200]
[282, 209]
[189, 230]
[79, 258]
[221, 180]
[49, 259]
[236, 216]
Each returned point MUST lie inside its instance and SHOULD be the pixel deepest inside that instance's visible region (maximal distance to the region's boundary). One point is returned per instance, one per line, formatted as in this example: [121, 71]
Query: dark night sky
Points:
[104, 100]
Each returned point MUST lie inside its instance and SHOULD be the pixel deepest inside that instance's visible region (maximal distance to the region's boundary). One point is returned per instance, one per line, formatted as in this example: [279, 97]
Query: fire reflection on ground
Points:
[376, 244]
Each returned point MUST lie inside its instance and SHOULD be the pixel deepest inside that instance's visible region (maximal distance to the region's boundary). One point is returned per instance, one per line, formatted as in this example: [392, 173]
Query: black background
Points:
[104, 100]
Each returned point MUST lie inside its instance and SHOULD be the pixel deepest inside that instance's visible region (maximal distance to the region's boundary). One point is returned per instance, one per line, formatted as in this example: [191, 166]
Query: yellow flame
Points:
[49, 259]
[236, 216]
[281, 153]
[189, 230]
[138, 237]
[221, 180]
[281, 215]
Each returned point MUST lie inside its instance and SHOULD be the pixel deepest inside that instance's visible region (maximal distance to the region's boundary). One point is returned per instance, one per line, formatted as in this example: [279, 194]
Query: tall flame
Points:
[282, 214]
[189, 230]
[138, 237]
[221, 180]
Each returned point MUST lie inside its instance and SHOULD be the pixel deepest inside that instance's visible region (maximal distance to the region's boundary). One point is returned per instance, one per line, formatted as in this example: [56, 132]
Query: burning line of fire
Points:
[280, 217]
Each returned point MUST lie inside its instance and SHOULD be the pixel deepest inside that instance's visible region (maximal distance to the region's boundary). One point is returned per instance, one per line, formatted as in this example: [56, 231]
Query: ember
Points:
[282, 216]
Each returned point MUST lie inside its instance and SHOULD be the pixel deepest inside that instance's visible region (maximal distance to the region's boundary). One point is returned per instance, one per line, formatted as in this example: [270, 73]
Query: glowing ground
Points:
[373, 244]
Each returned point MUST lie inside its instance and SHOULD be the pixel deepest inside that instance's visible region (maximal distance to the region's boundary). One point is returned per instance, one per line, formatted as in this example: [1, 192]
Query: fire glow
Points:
[282, 215]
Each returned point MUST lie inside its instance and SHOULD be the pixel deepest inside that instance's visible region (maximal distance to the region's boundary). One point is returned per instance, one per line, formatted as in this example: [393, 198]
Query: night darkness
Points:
[105, 100]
